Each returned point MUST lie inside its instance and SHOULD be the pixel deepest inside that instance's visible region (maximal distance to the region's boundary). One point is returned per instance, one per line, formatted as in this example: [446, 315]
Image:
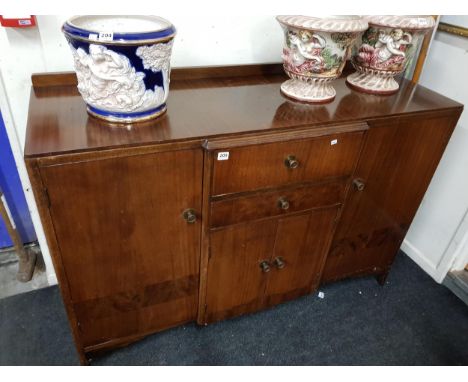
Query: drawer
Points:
[274, 203]
[276, 164]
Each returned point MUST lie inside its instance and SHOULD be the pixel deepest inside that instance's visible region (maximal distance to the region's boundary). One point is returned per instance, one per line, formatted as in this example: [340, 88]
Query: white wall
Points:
[438, 238]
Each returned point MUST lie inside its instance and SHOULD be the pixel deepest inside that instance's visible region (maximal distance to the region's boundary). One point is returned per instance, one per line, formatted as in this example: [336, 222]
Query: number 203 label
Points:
[223, 155]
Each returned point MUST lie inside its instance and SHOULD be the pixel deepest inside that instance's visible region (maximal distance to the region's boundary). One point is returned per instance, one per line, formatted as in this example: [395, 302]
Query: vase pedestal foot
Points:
[373, 82]
[313, 91]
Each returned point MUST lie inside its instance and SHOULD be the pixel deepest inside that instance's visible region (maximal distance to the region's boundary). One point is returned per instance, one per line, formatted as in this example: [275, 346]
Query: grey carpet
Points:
[410, 321]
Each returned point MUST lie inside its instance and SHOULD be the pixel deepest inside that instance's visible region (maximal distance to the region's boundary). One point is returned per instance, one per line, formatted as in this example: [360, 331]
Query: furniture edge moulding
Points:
[43, 204]
[42, 80]
[282, 135]
[116, 152]
[208, 159]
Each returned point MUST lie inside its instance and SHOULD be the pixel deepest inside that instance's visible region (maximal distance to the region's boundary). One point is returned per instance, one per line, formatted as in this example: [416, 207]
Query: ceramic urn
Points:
[385, 51]
[315, 52]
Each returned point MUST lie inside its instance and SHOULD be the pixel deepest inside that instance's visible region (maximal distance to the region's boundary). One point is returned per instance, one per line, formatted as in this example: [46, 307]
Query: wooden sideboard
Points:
[236, 200]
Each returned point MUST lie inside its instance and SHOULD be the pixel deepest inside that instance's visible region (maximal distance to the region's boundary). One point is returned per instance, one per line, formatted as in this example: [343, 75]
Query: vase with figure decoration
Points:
[385, 51]
[315, 52]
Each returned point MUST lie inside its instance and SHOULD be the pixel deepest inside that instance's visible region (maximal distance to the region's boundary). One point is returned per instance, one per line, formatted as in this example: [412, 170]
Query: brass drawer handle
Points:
[283, 203]
[279, 262]
[265, 266]
[189, 215]
[291, 162]
[359, 184]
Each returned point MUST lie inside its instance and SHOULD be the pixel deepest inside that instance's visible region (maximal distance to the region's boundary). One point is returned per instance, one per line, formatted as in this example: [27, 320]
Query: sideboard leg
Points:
[85, 359]
[382, 277]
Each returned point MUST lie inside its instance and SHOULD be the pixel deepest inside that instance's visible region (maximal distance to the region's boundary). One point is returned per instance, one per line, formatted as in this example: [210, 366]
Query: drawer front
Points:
[275, 203]
[275, 164]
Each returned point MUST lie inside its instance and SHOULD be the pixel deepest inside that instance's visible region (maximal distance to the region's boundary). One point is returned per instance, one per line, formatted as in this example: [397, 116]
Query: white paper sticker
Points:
[321, 295]
[422, 21]
[4, 202]
[223, 155]
[334, 142]
[106, 36]
[93, 36]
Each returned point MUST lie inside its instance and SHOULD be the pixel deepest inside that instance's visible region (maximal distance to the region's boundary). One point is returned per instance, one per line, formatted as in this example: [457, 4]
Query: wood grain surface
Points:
[397, 163]
[131, 261]
[111, 197]
[265, 204]
[207, 108]
[263, 166]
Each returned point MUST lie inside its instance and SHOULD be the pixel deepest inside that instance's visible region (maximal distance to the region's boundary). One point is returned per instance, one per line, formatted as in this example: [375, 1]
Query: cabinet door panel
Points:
[129, 256]
[397, 163]
[301, 244]
[235, 282]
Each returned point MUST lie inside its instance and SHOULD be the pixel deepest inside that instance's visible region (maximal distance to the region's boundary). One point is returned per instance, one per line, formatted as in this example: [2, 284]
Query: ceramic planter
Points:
[315, 52]
[122, 64]
[385, 50]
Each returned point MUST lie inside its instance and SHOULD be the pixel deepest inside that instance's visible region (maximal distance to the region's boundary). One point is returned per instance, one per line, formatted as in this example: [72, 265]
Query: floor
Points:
[410, 321]
[9, 285]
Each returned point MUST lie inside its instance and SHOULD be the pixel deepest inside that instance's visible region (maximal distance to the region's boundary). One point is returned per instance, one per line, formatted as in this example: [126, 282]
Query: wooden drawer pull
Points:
[189, 215]
[359, 185]
[265, 266]
[283, 203]
[291, 162]
[279, 262]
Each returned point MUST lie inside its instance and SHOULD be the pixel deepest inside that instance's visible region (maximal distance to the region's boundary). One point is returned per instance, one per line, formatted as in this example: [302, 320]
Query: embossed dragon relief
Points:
[108, 79]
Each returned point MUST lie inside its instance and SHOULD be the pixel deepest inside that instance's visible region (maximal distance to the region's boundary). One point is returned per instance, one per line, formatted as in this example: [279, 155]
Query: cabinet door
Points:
[396, 166]
[237, 283]
[301, 246]
[131, 260]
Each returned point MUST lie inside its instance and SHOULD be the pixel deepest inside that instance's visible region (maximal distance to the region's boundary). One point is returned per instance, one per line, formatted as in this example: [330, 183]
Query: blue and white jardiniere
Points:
[122, 64]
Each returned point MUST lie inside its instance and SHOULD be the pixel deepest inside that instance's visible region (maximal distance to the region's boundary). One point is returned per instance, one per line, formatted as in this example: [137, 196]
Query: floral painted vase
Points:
[122, 64]
[315, 52]
[385, 50]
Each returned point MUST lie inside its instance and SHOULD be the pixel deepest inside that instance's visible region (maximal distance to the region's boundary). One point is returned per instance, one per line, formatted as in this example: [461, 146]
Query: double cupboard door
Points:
[262, 263]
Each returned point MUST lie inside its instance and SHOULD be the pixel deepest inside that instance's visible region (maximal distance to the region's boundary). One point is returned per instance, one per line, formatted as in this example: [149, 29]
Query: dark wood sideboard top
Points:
[201, 108]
